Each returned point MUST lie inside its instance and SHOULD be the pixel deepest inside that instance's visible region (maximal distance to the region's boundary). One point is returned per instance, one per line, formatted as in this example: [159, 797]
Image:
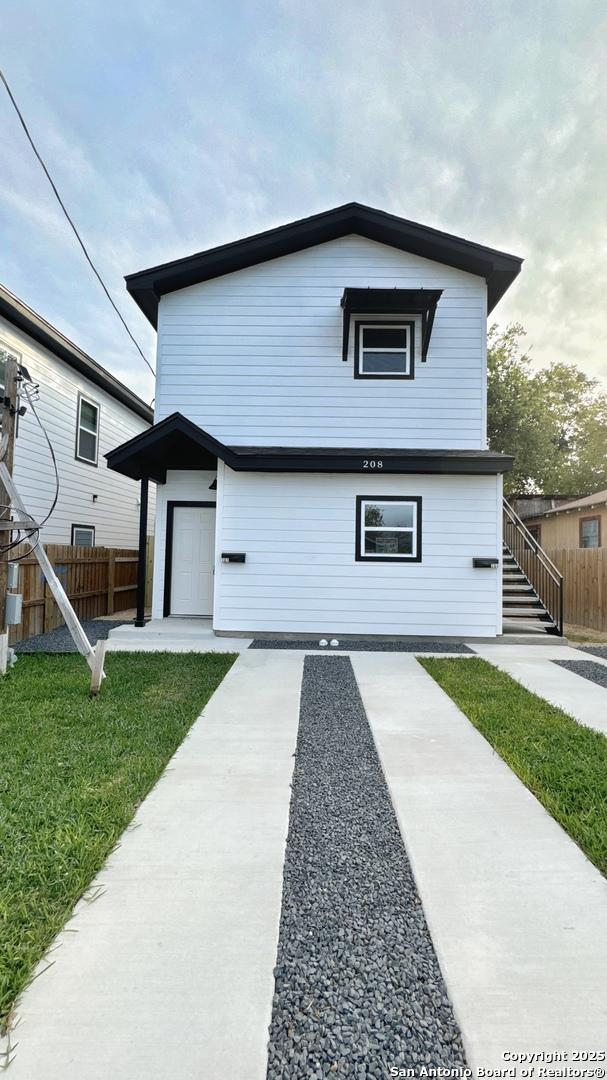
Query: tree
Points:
[553, 420]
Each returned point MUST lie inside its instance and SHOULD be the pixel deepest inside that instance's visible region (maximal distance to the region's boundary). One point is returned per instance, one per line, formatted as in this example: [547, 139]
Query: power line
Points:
[74, 229]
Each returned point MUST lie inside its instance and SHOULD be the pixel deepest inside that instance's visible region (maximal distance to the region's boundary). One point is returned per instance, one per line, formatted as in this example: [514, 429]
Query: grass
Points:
[584, 634]
[72, 772]
[562, 762]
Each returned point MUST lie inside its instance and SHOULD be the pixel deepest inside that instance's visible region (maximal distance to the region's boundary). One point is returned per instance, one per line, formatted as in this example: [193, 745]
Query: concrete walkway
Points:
[173, 635]
[518, 915]
[170, 973]
[580, 698]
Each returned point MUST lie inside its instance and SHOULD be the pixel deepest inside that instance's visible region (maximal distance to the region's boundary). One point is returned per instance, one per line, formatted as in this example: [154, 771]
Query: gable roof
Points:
[596, 499]
[498, 268]
[25, 318]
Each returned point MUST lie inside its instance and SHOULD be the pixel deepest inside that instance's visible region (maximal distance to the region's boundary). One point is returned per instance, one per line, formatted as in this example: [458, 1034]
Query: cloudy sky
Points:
[173, 126]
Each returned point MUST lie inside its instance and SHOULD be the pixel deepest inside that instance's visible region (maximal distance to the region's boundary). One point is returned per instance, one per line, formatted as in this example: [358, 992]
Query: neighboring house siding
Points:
[563, 530]
[115, 513]
[301, 576]
[254, 357]
[180, 486]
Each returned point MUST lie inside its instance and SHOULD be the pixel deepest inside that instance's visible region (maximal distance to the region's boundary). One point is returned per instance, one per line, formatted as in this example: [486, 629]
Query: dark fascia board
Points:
[497, 267]
[24, 318]
[137, 457]
[355, 460]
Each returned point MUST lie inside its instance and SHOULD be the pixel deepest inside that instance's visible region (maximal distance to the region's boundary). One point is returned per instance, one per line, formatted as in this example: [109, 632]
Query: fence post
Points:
[111, 581]
[49, 608]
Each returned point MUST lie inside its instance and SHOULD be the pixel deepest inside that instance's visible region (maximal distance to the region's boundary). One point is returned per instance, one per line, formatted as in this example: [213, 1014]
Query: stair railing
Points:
[537, 567]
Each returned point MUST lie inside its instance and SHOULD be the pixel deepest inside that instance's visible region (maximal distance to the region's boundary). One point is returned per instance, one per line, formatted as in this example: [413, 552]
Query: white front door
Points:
[193, 559]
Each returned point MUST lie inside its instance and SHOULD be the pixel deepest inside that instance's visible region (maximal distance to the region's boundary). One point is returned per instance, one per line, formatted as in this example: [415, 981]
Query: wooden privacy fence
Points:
[97, 580]
[585, 574]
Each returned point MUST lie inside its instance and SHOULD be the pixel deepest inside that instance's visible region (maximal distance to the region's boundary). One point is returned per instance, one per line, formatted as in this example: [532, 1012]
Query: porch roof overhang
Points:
[391, 302]
[177, 443]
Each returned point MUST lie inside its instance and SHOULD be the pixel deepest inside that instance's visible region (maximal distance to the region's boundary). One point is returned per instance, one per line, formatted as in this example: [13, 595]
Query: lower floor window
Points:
[83, 535]
[388, 528]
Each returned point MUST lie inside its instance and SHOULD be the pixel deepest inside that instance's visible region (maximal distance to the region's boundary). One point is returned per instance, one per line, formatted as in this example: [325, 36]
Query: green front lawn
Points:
[563, 763]
[72, 772]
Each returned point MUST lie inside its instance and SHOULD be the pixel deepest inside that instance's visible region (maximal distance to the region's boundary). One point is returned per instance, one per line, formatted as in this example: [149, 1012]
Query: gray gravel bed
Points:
[594, 650]
[588, 669]
[60, 640]
[358, 986]
[311, 645]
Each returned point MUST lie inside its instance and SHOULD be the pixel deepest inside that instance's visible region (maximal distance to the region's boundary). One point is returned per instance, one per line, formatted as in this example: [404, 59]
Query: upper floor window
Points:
[384, 350]
[389, 528]
[87, 434]
[590, 532]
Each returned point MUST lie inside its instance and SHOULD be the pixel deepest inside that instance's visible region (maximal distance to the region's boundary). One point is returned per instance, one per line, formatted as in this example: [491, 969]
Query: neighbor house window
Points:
[590, 532]
[87, 435]
[384, 350]
[536, 532]
[388, 528]
[83, 535]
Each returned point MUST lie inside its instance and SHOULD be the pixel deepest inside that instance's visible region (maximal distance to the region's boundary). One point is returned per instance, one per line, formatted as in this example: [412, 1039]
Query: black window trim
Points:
[387, 324]
[91, 529]
[89, 401]
[361, 556]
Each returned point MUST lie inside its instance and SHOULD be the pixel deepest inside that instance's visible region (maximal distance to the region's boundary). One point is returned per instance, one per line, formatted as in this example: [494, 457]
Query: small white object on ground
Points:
[334, 643]
[323, 641]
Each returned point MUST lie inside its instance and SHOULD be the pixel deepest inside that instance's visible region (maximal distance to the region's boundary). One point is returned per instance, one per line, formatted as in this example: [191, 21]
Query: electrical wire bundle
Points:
[27, 535]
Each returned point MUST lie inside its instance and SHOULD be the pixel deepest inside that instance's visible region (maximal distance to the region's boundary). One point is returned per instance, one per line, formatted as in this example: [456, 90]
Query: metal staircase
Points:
[532, 587]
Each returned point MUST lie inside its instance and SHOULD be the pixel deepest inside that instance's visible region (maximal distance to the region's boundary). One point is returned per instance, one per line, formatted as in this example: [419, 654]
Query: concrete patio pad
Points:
[518, 915]
[170, 971]
[580, 698]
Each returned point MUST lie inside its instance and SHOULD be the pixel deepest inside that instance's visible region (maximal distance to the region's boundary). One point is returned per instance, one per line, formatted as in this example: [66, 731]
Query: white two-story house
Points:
[320, 443]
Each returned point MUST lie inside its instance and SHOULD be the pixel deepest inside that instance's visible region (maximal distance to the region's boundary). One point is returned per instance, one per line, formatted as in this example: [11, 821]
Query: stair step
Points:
[526, 613]
[517, 590]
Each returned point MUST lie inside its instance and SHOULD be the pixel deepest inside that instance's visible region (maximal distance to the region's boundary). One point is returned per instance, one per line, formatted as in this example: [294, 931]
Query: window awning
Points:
[177, 443]
[391, 302]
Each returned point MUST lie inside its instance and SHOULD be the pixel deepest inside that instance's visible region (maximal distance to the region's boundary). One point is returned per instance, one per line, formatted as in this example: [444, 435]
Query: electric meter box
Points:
[14, 607]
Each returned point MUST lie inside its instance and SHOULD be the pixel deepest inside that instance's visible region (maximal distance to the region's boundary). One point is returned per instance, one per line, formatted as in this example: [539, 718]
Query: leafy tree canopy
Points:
[553, 420]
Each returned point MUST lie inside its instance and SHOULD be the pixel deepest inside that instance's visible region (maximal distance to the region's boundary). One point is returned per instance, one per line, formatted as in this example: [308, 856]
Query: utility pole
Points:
[8, 415]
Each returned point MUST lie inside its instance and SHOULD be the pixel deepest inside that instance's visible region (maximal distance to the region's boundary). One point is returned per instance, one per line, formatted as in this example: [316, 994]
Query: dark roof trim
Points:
[391, 301]
[497, 267]
[24, 318]
[177, 443]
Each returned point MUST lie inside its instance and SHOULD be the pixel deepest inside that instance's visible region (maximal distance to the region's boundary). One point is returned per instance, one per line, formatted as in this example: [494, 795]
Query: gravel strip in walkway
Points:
[60, 640]
[594, 650]
[596, 673]
[311, 645]
[358, 986]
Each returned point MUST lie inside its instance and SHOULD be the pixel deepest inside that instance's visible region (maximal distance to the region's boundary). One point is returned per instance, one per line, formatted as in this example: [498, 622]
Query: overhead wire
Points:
[71, 223]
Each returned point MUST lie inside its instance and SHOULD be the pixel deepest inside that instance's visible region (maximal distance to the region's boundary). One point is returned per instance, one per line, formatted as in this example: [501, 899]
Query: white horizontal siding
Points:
[255, 356]
[180, 486]
[301, 576]
[115, 512]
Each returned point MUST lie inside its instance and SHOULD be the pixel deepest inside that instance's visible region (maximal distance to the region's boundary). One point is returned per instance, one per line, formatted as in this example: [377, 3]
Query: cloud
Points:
[171, 128]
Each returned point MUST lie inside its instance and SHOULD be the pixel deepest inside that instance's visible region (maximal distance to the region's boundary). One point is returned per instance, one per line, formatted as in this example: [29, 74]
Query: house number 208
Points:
[372, 463]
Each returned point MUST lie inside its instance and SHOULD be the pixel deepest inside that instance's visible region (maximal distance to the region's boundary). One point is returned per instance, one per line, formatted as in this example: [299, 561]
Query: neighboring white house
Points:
[320, 442]
[85, 411]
